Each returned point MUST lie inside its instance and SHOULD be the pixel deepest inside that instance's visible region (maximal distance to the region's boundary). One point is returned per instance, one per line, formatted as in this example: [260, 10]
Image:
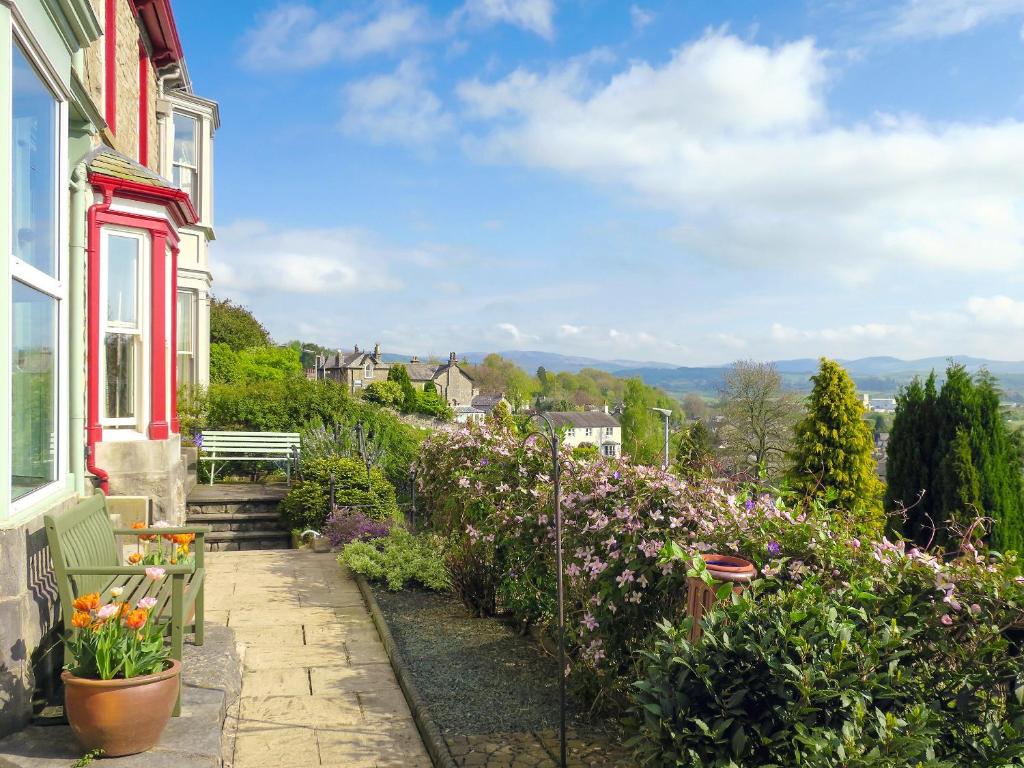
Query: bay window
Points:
[37, 311]
[186, 155]
[186, 337]
[123, 341]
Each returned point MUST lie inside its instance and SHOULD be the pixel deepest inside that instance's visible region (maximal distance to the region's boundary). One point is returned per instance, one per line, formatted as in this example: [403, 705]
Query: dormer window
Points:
[186, 155]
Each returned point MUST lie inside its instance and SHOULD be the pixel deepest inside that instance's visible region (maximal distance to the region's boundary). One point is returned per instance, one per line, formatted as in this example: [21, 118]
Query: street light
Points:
[316, 362]
[666, 414]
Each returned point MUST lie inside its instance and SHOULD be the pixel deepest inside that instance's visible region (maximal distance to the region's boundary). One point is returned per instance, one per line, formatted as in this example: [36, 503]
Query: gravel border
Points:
[429, 732]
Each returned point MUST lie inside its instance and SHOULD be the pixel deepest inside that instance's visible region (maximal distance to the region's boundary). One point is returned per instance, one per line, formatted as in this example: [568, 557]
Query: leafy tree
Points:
[386, 393]
[759, 418]
[501, 418]
[400, 375]
[267, 363]
[641, 427]
[695, 408]
[429, 403]
[833, 446]
[234, 325]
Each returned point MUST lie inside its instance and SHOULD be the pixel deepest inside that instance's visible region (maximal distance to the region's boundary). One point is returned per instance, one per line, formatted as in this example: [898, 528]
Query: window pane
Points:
[122, 279]
[185, 180]
[186, 320]
[33, 382]
[34, 168]
[120, 349]
[186, 369]
[185, 129]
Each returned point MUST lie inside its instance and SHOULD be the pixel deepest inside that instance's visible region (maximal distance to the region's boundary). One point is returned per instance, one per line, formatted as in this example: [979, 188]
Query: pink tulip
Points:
[155, 573]
[147, 603]
[107, 611]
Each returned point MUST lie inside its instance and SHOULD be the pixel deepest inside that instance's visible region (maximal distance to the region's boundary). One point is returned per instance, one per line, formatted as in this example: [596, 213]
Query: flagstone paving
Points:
[317, 688]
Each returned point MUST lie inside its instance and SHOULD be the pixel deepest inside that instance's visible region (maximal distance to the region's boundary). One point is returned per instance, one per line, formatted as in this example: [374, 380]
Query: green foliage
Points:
[586, 452]
[265, 363]
[642, 430]
[400, 375]
[695, 452]
[234, 325]
[834, 675]
[496, 374]
[955, 445]
[399, 559]
[193, 404]
[386, 393]
[501, 418]
[307, 504]
[833, 446]
[429, 403]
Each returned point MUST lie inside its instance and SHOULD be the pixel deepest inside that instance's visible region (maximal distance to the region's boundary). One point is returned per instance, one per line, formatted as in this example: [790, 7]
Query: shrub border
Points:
[429, 731]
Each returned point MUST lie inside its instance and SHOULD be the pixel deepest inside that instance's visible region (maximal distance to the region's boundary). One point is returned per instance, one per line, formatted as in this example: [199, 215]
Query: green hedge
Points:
[307, 504]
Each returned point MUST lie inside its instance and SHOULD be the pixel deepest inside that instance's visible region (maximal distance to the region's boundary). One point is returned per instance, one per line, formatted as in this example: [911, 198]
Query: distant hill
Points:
[878, 376]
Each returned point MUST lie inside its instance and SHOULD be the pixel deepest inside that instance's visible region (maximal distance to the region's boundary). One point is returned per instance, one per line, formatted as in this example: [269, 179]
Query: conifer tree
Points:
[399, 374]
[911, 459]
[834, 443]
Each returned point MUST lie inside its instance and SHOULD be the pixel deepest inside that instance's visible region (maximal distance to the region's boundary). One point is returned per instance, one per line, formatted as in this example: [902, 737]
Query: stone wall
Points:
[29, 620]
[152, 468]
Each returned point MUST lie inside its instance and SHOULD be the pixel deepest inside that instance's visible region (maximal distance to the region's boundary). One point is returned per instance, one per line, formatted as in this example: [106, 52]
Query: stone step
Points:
[232, 507]
[241, 521]
[227, 541]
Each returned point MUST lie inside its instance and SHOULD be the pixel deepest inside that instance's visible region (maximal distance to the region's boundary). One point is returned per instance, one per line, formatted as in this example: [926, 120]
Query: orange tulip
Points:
[81, 619]
[184, 539]
[134, 558]
[136, 619]
[143, 536]
[89, 602]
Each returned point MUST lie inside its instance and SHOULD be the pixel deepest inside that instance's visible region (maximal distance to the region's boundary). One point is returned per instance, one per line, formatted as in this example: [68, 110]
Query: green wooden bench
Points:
[225, 447]
[87, 558]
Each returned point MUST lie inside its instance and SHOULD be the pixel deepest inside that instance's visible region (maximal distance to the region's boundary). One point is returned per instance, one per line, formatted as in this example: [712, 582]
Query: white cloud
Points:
[253, 258]
[297, 36]
[535, 16]
[997, 312]
[736, 139]
[517, 335]
[942, 18]
[567, 331]
[640, 17]
[398, 107]
[874, 332]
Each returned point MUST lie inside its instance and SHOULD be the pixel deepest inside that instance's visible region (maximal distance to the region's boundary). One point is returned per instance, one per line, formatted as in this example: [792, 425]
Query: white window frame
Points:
[196, 182]
[609, 431]
[571, 432]
[137, 423]
[194, 298]
[589, 432]
[608, 449]
[30, 276]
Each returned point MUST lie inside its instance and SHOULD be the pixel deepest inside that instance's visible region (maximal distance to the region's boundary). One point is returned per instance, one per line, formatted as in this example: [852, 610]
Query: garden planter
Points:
[121, 717]
[701, 596]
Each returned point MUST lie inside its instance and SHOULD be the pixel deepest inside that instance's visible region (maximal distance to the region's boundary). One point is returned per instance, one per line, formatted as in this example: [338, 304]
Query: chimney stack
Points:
[452, 359]
[355, 348]
[376, 350]
[414, 359]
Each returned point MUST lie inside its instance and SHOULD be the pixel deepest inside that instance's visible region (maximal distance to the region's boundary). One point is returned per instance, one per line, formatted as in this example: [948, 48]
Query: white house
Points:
[595, 427]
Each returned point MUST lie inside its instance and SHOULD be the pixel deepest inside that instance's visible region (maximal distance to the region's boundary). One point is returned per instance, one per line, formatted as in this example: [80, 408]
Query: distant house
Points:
[489, 402]
[598, 428]
[357, 369]
[879, 404]
[467, 414]
[454, 385]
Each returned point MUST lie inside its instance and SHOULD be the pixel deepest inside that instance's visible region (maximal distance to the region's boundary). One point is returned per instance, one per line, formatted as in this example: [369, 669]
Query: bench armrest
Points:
[199, 530]
[127, 570]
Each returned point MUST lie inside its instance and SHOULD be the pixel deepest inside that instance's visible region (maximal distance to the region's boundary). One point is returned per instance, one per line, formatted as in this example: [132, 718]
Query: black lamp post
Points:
[550, 435]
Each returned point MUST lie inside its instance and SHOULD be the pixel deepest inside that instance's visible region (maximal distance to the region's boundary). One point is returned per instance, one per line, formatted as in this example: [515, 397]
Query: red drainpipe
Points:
[94, 430]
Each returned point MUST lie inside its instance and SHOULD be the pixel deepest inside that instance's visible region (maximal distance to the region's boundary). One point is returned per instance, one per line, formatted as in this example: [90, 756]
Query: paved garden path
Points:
[317, 688]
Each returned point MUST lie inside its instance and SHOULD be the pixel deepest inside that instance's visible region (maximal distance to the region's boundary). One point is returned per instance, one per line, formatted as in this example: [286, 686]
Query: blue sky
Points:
[690, 182]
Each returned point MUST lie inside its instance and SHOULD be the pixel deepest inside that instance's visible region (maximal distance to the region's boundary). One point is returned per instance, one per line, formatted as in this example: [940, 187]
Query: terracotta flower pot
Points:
[701, 596]
[121, 717]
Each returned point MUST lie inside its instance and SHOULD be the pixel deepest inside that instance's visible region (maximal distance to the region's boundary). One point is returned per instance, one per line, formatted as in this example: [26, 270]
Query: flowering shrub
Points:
[345, 525]
[308, 502]
[629, 534]
[115, 640]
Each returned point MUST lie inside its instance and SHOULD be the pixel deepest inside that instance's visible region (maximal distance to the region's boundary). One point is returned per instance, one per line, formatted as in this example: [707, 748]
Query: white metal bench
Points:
[226, 447]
